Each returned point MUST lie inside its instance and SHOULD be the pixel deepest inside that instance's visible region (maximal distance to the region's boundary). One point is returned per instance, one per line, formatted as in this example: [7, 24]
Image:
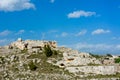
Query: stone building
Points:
[32, 44]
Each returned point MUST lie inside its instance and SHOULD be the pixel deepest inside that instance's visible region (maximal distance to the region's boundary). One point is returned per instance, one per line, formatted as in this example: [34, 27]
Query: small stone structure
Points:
[32, 44]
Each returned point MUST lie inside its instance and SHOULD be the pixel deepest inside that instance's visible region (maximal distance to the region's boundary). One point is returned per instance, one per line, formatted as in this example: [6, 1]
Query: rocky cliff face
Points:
[27, 60]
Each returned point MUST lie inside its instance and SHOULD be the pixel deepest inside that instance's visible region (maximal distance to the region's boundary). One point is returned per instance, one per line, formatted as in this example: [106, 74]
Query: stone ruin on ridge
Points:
[32, 44]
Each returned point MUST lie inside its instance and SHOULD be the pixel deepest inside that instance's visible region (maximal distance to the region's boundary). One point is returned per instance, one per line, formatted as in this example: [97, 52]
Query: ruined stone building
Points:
[32, 44]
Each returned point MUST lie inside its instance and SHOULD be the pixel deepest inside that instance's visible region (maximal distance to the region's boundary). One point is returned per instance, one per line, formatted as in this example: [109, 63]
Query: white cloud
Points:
[118, 6]
[118, 47]
[31, 31]
[52, 1]
[15, 5]
[115, 38]
[83, 32]
[5, 41]
[97, 48]
[100, 31]
[81, 13]
[64, 34]
[43, 36]
[53, 31]
[20, 32]
[56, 36]
[5, 33]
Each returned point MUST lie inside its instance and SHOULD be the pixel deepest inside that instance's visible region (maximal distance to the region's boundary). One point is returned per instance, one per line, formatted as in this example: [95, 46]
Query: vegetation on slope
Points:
[117, 60]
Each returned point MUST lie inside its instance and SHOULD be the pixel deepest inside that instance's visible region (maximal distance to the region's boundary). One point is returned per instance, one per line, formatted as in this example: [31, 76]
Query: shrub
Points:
[95, 55]
[47, 50]
[55, 52]
[92, 64]
[117, 60]
[24, 51]
[2, 60]
[32, 66]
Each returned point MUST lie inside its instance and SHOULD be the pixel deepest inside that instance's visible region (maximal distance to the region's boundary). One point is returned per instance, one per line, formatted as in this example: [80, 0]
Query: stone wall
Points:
[18, 44]
[30, 44]
[104, 70]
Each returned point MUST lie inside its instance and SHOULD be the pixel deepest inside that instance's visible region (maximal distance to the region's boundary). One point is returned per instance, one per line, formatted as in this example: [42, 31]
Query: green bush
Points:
[55, 52]
[32, 66]
[48, 51]
[2, 60]
[95, 55]
[92, 64]
[117, 60]
[24, 51]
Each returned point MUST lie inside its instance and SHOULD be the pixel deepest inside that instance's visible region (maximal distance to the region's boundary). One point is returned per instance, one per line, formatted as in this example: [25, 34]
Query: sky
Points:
[86, 25]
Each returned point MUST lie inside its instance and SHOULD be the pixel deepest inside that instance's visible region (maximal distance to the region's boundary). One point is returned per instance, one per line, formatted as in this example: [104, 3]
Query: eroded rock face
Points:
[85, 64]
[75, 58]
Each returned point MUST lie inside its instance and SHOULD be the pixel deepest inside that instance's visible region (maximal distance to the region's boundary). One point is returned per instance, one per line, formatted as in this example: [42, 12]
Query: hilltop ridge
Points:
[44, 60]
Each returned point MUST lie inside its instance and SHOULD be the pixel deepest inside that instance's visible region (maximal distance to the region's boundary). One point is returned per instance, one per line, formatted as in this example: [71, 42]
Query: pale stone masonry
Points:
[31, 44]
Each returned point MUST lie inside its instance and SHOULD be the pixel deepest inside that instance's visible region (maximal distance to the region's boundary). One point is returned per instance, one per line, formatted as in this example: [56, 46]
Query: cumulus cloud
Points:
[53, 31]
[15, 5]
[81, 13]
[5, 33]
[20, 32]
[31, 31]
[118, 6]
[100, 31]
[5, 41]
[115, 38]
[64, 34]
[52, 1]
[97, 48]
[83, 32]
[43, 36]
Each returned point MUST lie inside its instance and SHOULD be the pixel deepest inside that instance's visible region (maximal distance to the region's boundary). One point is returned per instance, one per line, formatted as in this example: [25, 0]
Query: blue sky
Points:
[86, 25]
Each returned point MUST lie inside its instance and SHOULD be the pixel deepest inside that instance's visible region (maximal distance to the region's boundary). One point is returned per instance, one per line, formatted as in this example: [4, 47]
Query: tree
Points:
[95, 55]
[109, 55]
[47, 50]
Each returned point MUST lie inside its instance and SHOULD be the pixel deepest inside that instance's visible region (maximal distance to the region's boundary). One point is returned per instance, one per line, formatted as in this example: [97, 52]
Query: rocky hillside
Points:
[44, 60]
